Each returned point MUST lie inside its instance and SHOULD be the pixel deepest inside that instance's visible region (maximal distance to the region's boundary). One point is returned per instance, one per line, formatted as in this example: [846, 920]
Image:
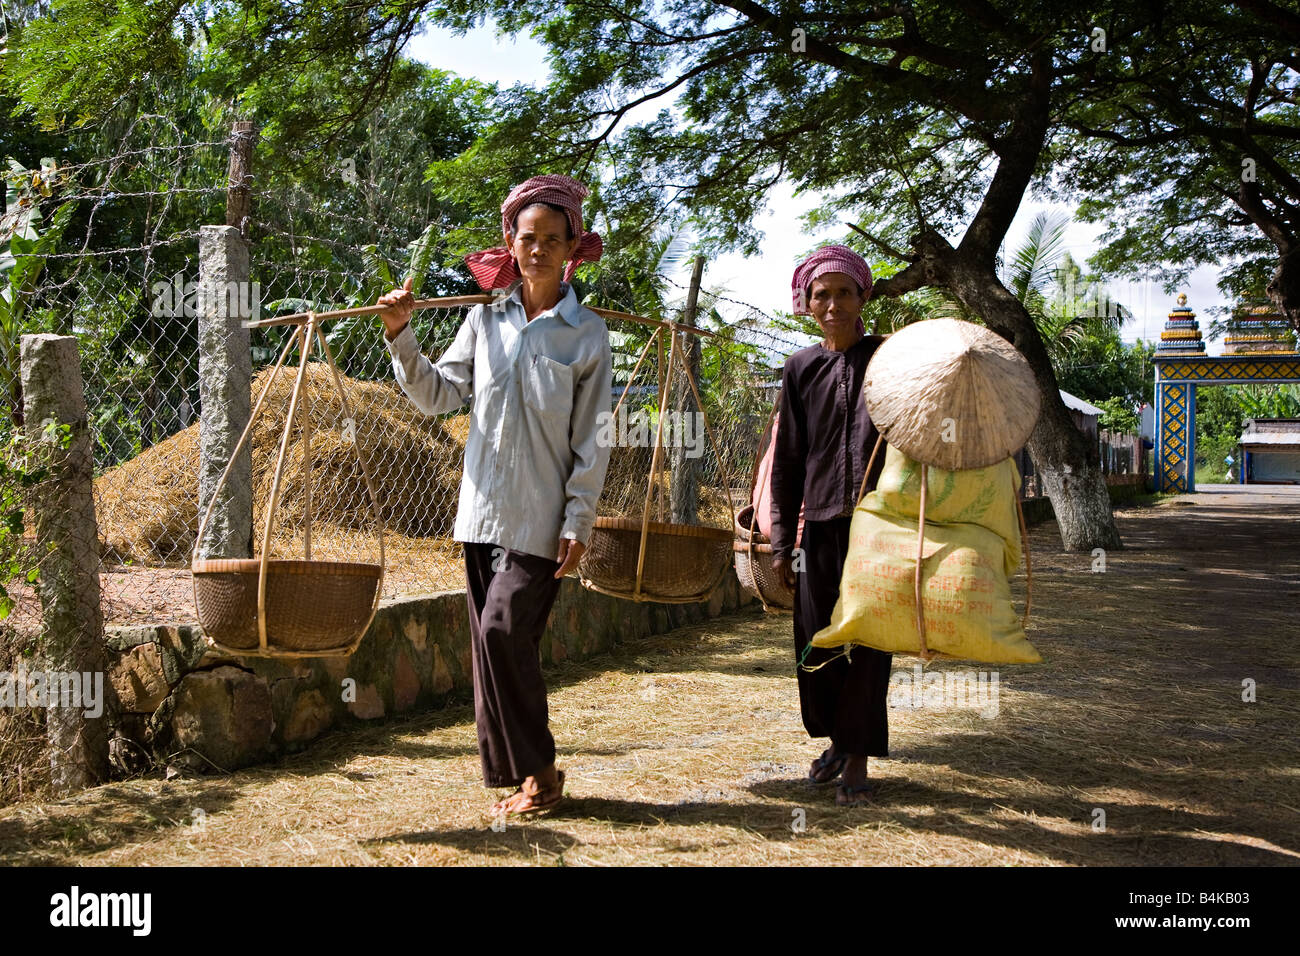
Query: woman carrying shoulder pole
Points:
[538, 367]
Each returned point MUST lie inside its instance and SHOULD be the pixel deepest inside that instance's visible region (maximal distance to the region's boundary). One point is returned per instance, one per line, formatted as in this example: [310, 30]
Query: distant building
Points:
[1269, 451]
[1085, 414]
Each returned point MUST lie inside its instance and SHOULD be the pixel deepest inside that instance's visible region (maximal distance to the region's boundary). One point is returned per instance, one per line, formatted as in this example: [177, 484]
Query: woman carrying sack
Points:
[822, 450]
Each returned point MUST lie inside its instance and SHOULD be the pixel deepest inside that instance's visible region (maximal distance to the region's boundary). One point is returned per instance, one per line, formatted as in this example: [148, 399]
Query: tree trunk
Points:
[1284, 288]
[1068, 465]
[685, 494]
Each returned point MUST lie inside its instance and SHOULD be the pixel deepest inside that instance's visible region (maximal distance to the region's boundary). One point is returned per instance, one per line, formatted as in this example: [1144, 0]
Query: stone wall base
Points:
[186, 705]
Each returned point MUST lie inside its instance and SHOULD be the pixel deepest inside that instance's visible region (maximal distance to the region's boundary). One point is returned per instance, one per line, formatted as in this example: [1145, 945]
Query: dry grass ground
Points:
[687, 748]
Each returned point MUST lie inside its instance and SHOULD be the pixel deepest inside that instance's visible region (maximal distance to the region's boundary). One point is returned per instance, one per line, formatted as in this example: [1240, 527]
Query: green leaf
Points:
[378, 265]
[422, 250]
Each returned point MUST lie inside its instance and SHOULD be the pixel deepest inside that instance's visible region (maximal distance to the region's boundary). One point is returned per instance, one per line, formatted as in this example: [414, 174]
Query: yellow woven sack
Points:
[971, 547]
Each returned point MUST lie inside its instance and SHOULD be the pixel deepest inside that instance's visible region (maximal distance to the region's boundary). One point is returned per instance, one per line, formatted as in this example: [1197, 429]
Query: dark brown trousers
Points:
[846, 699]
[510, 595]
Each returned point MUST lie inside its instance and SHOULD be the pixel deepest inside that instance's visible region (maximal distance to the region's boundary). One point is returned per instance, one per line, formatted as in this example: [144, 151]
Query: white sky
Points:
[765, 281]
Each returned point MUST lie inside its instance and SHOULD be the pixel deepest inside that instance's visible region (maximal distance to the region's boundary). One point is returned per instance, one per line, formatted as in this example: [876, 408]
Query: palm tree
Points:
[1066, 306]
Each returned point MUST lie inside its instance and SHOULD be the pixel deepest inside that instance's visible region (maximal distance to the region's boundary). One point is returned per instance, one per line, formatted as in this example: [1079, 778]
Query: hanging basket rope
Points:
[664, 562]
[265, 607]
[300, 606]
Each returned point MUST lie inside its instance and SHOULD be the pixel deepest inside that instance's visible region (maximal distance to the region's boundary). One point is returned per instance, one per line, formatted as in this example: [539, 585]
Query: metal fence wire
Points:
[129, 294]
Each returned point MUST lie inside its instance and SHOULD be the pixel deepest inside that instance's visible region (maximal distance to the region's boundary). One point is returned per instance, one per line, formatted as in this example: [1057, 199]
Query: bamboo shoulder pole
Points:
[449, 302]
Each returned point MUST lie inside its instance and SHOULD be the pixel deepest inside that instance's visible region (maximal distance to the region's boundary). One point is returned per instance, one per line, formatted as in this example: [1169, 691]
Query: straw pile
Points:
[147, 507]
[628, 479]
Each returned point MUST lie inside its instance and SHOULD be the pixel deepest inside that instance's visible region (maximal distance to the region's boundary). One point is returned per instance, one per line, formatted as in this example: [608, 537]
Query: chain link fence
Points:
[128, 287]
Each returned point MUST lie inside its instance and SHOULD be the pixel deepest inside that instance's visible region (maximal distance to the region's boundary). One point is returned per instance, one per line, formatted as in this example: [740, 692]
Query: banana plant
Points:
[354, 340]
[1268, 401]
[23, 252]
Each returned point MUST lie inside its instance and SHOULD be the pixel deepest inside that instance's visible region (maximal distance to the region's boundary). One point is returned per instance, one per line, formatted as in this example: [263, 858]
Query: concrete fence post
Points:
[225, 376]
[72, 639]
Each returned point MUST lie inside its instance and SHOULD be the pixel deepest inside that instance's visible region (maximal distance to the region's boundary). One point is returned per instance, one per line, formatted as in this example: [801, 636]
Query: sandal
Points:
[827, 767]
[538, 797]
[851, 796]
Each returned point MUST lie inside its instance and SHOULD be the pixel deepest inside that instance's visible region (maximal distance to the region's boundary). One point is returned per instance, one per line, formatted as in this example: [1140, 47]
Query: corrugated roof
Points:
[1291, 425]
[1078, 404]
[1270, 438]
[1271, 431]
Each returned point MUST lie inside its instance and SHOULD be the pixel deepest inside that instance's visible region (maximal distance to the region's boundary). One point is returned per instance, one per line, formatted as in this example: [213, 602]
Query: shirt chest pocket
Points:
[548, 388]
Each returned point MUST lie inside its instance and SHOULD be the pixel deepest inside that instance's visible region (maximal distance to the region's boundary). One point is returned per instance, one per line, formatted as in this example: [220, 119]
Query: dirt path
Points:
[687, 748]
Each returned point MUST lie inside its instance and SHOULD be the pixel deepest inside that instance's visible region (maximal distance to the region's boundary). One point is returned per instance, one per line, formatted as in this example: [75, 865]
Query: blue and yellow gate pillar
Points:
[1175, 435]
[1258, 349]
[1176, 401]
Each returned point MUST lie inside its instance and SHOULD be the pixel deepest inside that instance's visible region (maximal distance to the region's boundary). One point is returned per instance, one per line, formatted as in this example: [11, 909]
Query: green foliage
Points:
[308, 219]
[22, 257]
[23, 466]
[1218, 413]
[1221, 412]
[74, 66]
[1186, 147]
[1219, 421]
[1079, 326]
[1100, 366]
[1211, 458]
[1118, 415]
[313, 69]
[1268, 401]
[354, 340]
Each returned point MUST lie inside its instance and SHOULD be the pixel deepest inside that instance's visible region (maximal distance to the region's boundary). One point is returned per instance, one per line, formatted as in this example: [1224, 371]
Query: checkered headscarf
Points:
[824, 260]
[496, 268]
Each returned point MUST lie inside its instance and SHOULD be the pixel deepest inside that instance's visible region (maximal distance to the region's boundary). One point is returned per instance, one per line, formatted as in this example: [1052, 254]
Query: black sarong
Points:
[845, 700]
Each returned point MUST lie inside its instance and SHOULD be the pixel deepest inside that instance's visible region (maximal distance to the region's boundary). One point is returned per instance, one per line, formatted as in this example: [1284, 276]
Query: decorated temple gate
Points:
[1259, 349]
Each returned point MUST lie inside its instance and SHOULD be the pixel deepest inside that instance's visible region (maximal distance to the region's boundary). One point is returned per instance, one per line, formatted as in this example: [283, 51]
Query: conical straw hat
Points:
[951, 394]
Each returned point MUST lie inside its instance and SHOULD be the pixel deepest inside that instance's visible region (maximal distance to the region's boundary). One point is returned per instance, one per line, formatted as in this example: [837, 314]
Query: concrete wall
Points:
[1121, 488]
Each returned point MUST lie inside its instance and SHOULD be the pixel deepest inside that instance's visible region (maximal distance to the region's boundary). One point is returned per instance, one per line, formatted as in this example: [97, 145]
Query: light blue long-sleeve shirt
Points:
[533, 465]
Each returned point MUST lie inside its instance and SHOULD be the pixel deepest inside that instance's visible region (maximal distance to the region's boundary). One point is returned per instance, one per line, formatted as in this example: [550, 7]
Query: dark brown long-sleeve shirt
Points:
[824, 439]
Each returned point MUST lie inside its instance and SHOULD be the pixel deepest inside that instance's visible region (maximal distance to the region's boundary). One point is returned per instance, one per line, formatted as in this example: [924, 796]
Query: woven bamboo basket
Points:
[664, 562]
[313, 605]
[746, 526]
[752, 551]
[683, 563]
[288, 607]
[754, 569]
